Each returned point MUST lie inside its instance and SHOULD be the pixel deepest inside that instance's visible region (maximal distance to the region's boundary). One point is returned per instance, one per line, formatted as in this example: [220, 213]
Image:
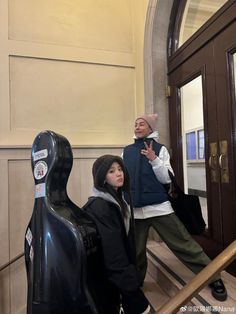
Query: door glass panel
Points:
[196, 13]
[194, 141]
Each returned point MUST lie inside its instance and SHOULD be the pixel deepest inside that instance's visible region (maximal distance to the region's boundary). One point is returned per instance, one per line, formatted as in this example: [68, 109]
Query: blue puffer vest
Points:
[145, 188]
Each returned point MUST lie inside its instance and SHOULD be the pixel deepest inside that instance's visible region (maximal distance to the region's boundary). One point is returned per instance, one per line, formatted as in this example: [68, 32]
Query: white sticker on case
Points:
[40, 170]
[31, 254]
[29, 236]
[40, 190]
[40, 154]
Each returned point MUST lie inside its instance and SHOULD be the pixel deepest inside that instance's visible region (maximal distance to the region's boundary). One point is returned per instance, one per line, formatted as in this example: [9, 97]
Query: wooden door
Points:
[213, 63]
[225, 65]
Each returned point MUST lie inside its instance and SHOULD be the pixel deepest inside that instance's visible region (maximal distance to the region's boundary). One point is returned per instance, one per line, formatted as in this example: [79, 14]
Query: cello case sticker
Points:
[40, 190]
[40, 170]
[29, 236]
[40, 154]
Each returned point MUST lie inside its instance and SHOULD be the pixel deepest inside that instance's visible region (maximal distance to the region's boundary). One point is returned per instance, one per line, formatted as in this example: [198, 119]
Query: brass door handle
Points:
[219, 169]
[222, 160]
[212, 162]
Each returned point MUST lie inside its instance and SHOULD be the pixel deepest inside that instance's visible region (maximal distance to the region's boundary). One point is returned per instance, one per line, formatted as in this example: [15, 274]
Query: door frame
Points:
[223, 17]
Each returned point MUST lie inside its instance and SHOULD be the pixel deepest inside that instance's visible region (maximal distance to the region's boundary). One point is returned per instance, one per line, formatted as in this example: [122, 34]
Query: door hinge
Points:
[168, 91]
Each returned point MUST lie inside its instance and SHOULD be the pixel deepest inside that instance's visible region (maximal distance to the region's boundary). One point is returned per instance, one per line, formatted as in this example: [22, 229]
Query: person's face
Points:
[115, 176]
[141, 128]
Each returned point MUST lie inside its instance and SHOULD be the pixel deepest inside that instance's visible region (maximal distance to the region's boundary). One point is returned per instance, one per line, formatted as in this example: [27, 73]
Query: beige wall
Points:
[74, 67]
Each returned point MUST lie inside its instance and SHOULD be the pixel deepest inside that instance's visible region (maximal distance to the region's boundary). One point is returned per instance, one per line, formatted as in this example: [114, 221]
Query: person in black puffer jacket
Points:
[118, 284]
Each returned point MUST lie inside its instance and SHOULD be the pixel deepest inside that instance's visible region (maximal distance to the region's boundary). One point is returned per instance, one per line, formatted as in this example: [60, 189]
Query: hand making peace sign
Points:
[148, 151]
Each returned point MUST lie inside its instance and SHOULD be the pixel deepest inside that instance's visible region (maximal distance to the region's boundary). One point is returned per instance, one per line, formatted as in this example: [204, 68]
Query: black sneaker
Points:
[218, 290]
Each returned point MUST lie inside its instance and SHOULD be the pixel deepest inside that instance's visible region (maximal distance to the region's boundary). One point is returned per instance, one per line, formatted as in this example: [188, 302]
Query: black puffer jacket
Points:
[118, 274]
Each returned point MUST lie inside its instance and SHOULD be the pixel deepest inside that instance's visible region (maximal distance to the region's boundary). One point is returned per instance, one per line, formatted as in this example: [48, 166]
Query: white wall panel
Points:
[21, 202]
[5, 292]
[18, 287]
[4, 226]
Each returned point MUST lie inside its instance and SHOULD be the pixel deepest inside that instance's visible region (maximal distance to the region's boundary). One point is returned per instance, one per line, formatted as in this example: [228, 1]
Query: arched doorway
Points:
[202, 126]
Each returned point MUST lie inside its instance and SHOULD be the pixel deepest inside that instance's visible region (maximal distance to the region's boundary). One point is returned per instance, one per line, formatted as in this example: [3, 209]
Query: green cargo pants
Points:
[176, 237]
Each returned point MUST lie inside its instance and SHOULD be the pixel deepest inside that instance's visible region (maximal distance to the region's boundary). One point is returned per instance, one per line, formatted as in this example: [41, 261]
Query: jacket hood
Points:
[100, 169]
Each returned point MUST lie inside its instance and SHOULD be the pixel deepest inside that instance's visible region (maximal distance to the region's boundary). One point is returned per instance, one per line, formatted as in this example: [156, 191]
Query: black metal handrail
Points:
[11, 261]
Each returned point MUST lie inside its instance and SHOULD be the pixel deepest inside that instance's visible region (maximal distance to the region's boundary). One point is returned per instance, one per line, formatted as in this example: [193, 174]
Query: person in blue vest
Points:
[148, 163]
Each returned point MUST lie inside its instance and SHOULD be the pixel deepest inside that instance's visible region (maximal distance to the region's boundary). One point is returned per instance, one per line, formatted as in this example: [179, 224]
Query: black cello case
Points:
[61, 241]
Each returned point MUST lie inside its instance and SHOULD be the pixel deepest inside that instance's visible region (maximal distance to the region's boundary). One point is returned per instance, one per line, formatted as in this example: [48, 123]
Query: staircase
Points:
[166, 275]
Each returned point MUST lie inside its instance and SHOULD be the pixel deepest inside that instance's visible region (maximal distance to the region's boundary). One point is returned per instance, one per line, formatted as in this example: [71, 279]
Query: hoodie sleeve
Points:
[161, 165]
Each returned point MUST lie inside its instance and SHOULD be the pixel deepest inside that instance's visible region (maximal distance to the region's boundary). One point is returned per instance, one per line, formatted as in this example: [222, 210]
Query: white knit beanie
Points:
[151, 120]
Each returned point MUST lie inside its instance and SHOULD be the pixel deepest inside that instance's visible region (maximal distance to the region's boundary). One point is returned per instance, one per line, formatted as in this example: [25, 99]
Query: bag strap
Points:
[175, 184]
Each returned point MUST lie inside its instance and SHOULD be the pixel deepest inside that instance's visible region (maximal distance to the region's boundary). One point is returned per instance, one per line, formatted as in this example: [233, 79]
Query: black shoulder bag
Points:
[187, 208]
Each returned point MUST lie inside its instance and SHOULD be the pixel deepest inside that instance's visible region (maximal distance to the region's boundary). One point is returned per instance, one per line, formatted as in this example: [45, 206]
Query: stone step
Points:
[170, 275]
[155, 295]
